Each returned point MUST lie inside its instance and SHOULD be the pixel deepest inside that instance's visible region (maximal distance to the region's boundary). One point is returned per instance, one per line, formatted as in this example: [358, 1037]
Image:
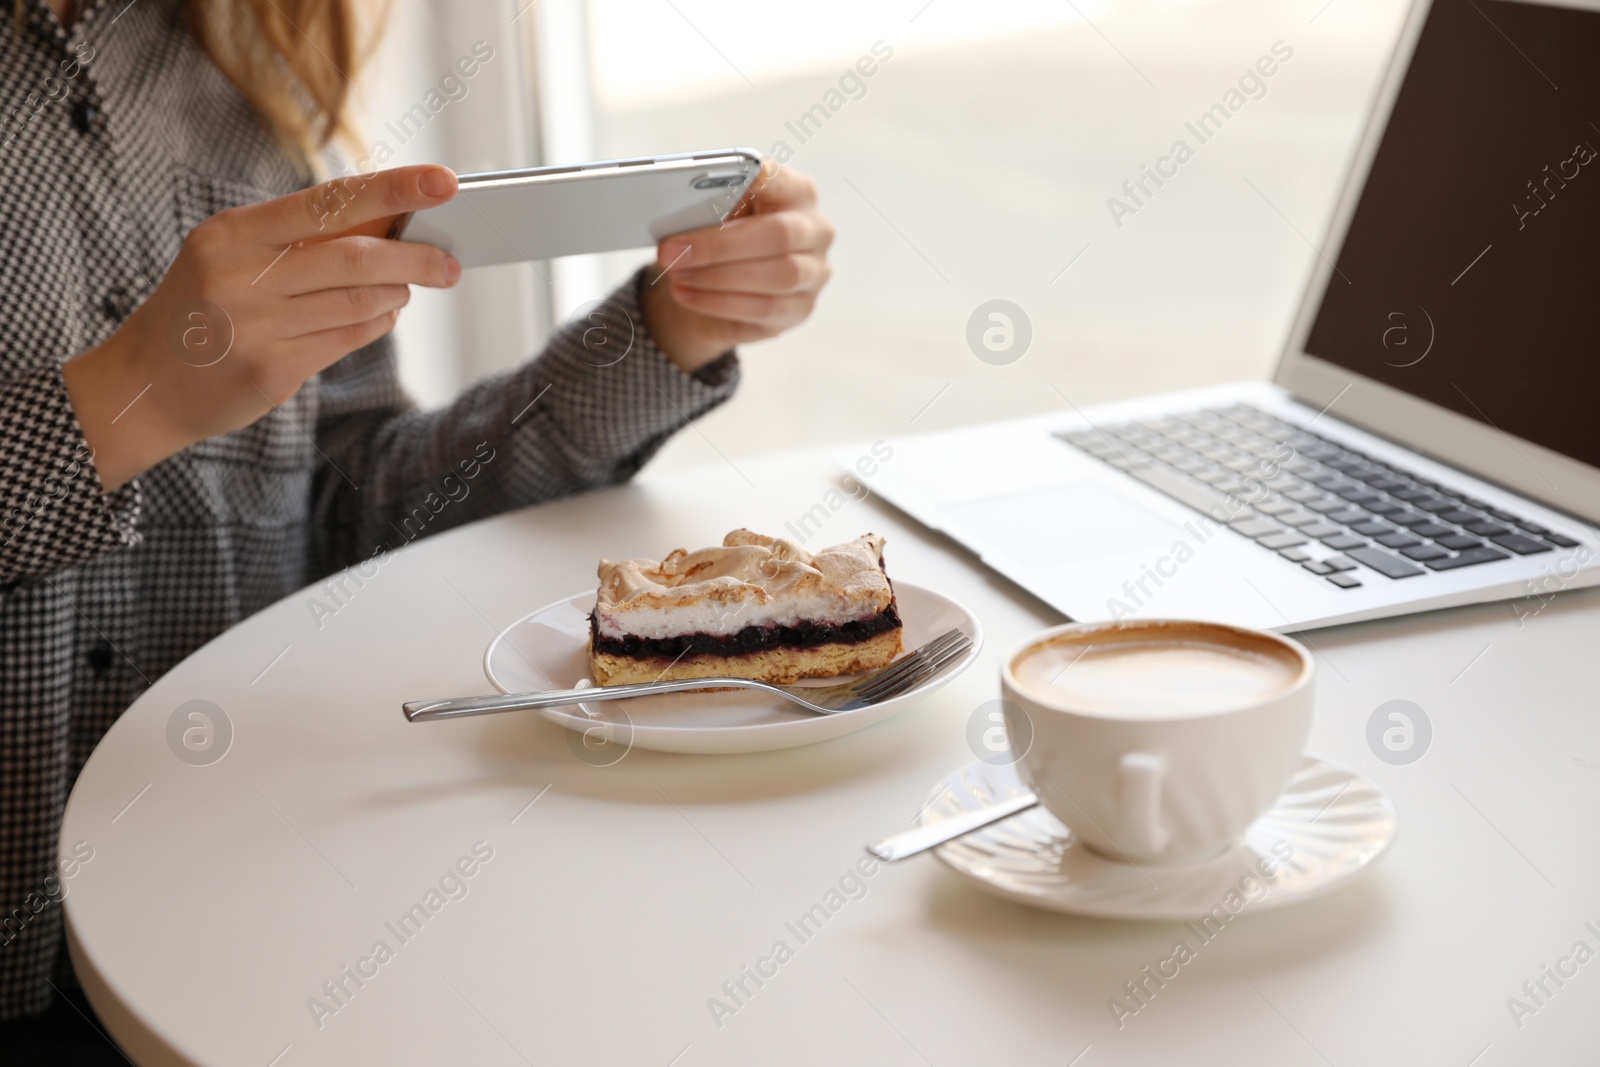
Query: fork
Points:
[898, 678]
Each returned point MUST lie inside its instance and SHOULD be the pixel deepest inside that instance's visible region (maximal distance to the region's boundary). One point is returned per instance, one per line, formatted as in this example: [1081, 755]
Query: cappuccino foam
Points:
[1154, 677]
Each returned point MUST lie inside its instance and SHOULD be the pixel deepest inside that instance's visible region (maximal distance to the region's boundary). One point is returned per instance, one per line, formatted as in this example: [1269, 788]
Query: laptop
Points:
[1432, 434]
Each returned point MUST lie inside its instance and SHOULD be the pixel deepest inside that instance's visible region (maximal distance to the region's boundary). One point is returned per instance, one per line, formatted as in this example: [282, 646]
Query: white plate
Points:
[549, 649]
[1329, 826]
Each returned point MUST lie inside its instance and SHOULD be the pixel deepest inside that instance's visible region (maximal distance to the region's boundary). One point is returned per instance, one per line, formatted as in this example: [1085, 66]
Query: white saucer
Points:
[549, 648]
[1330, 823]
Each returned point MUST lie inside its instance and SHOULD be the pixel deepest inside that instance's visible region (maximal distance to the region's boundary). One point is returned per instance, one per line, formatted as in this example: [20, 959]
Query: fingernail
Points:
[452, 270]
[437, 182]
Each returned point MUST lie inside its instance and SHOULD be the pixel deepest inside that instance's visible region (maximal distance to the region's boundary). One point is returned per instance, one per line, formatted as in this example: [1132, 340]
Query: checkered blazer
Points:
[118, 137]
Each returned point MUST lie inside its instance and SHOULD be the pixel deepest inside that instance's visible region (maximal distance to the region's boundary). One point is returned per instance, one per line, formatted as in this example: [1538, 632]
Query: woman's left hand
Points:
[752, 277]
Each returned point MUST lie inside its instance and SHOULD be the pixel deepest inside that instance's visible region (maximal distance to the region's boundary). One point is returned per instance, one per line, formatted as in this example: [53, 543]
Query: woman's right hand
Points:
[259, 299]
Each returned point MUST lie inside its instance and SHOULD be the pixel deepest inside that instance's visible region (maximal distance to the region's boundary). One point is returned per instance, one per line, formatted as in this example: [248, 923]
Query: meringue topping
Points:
[751, 580]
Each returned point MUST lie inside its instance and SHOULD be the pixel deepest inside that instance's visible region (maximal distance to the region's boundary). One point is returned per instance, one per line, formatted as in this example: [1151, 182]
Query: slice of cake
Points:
[757, 607]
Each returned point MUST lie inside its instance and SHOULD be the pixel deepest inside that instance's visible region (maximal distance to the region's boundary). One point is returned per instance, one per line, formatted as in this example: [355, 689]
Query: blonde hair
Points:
[292, 60]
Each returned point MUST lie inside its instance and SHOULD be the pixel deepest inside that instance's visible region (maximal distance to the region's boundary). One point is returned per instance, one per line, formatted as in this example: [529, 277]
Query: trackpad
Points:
[1061, 524]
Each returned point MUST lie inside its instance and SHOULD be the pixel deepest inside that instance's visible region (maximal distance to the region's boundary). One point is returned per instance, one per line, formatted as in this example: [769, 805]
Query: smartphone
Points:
[513, 216]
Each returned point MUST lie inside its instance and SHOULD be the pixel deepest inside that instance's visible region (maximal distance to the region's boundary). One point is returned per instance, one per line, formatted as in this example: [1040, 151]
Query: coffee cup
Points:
[1158, 741]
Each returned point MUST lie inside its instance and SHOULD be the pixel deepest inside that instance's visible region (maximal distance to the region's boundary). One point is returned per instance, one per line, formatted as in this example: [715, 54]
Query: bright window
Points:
[977, 163]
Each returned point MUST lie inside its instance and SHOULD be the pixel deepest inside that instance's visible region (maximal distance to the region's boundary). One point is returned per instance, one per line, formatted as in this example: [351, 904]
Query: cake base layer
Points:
[778, 665]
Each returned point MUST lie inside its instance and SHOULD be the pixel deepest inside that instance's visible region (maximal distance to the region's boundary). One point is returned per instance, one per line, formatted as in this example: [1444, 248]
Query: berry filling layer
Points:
[748, 640]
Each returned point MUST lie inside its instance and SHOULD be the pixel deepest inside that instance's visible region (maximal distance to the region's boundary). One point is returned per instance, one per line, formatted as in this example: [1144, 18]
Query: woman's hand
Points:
[260, 298]
[752, 277]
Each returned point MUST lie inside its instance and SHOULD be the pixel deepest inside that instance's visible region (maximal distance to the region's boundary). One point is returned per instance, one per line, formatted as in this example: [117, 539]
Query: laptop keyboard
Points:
[1290, 491]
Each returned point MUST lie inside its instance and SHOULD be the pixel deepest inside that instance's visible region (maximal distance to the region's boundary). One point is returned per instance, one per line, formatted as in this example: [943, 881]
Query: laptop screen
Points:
[1470, 273]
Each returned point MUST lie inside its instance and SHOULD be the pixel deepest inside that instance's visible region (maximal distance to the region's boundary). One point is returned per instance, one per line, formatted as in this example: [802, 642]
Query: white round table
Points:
[533, 908]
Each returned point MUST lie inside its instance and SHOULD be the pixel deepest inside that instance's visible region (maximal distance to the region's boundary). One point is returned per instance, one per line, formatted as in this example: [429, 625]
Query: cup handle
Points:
[1139, 776]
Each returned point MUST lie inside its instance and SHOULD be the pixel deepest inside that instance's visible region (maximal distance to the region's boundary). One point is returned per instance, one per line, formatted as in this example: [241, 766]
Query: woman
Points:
[158, 213]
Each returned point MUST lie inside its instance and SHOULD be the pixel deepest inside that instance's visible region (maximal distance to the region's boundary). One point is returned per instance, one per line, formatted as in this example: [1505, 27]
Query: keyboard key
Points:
[1295, 555]
[1345, 581]
[1522, 546]
[1281, 540]
[1503, 516]
[1530, 527]
[1275, 507]
[1372, 528]
[1317, 568]
[1466, 559]
[1349, 516]
[1299, 518]
[1382, 562]
[1340, 563]
[1333, 503]
[1433, 530]
[1319, 530]
[1424, 552]
[1344, 541]
[1438, 504]
[1254, 527]
[1410, 518]
[1486, 529]
[1459, 542]
[1360, 494]
[1386, 485]
[1409, 495]
[1385, 507]
[1559, 539]
[1202, 498]
[1397, 540]
[1310, 492]
[1459, 515]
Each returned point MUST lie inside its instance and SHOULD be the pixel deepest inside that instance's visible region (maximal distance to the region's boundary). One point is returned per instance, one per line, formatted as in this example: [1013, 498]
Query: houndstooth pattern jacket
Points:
[118, 137]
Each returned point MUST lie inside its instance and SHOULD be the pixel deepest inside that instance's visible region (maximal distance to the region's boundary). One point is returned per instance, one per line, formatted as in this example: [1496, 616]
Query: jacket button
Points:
[100, 656]
[118, 304]
[83, 115]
